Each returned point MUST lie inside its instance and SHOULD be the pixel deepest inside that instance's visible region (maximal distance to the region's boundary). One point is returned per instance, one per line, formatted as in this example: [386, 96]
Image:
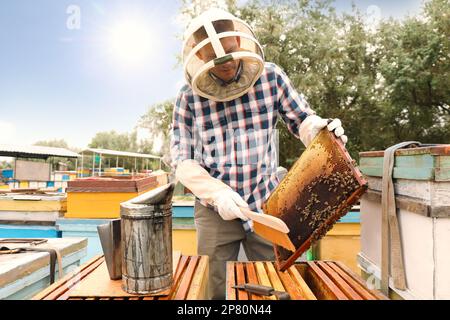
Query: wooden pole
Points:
[100, 166]
[93, 164]
[82, 163]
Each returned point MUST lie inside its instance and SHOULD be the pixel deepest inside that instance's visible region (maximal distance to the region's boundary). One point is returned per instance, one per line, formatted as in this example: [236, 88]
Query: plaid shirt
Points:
[236, 141]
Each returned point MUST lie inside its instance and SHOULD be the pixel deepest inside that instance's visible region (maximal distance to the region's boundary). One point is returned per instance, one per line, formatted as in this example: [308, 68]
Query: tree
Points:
[157, 121]
[113, 140]
[387, 84]
[415, 64]
[5, 164]
[189, 9]
[56, 143]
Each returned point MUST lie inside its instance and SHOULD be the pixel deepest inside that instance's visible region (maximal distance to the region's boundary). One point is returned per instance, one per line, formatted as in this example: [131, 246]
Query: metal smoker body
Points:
[147, 242]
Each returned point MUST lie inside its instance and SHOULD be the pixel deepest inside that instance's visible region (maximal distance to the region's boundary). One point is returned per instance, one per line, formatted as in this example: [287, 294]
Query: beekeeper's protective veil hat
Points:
[205, 51]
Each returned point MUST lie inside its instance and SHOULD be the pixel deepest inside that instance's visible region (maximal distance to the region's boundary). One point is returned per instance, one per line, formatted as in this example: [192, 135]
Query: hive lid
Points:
[427, 162]
[431, 149]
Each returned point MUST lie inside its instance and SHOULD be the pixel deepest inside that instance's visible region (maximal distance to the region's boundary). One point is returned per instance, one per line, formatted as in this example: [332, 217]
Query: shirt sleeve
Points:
[182, 140]
[293, 107]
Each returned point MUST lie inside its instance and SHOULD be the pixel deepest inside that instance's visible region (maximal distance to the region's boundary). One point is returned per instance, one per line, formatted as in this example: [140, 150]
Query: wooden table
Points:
[312, 280]
[190, 281]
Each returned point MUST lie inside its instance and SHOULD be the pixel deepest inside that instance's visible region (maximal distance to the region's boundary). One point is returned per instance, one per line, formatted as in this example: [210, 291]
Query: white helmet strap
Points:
[212, 34]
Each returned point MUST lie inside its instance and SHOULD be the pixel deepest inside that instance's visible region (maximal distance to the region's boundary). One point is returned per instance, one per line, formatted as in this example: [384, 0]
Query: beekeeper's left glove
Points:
[311, 126]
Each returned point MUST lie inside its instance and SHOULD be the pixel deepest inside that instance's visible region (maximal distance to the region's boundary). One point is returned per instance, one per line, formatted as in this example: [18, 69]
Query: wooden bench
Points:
[312, 280]
[189, 282]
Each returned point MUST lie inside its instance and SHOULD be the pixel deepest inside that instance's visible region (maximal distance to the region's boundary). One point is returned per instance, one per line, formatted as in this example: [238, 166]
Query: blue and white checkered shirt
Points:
[236, 141]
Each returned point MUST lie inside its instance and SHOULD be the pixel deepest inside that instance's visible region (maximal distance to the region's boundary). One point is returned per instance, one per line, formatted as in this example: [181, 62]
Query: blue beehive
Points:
[7, 173]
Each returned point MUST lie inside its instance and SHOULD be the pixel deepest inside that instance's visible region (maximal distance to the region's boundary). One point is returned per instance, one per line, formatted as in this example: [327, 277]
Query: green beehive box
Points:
[425, 163]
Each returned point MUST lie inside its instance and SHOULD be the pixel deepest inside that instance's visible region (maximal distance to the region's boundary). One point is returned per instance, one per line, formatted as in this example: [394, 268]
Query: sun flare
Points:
[131, 42]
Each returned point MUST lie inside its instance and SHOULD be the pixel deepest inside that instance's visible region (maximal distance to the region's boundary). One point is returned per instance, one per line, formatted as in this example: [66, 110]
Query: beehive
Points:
[100, 197]
[421, 178]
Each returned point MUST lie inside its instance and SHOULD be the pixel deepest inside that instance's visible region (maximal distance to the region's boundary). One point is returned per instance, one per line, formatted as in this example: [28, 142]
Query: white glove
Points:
[311, 126]
[228, 202]
[193, 176]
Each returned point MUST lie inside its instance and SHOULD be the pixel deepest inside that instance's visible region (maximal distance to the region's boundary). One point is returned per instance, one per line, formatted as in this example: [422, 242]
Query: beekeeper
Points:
[223, 144]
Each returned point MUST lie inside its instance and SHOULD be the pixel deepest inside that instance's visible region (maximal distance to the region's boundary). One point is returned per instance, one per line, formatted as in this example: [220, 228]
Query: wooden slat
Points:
[64, 296]
[325, 278]
[340, 283]
[273, 276]
[176, 256]
[289, 285]
[71, 283]
[189, 281]
[99, 284]
[240, 279]
[230, 281]
[263, 277]
[325, 287]
[358, 279]
[42, 294]
[198, 286]
[187, 278]
[252, 278]
[178, 275]
[68, 285]
[362, 291]
[302, 285]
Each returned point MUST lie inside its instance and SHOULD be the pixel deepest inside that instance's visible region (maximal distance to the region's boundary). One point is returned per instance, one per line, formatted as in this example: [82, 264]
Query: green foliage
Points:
[417, 72]
[55, 143]
[113, 140]
[157, 120]
[387, 84]
[5, 164]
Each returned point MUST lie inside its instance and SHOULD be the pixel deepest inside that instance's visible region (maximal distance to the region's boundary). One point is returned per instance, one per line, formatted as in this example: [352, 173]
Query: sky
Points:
[70, 69]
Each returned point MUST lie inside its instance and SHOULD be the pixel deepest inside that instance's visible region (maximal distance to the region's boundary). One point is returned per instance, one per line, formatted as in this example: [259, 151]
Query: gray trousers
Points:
[220, 240]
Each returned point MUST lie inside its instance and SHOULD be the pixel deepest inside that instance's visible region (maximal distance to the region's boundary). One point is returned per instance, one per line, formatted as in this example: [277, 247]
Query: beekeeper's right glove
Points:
[213, 191]
[228, 202]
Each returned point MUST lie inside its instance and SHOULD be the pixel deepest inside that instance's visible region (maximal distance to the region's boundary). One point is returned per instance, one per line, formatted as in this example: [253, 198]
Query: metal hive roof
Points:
[38, 152]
